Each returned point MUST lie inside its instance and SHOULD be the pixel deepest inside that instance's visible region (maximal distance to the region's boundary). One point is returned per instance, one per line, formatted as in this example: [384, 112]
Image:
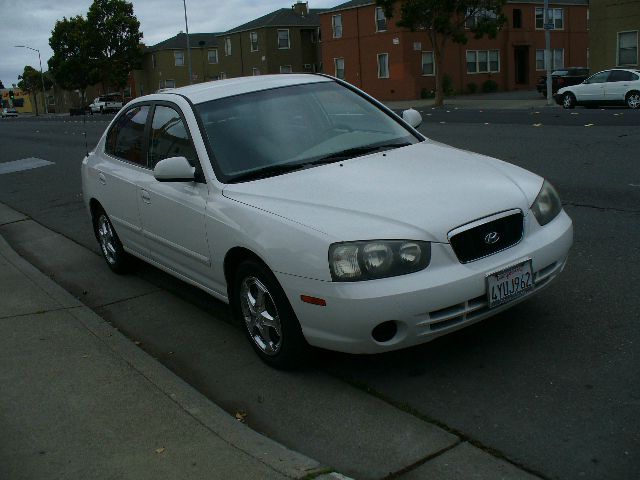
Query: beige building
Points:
[283, 41]
[614, 38]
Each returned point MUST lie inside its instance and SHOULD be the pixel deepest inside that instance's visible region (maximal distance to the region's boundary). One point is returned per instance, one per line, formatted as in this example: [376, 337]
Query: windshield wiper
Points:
[356, 152]
[270, 171]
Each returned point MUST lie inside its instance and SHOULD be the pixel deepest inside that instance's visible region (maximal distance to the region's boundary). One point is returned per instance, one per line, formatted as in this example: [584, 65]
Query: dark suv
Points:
[562, 78]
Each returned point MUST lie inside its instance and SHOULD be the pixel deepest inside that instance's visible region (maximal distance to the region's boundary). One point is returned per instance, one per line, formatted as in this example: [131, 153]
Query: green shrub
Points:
[489, 86]
[447, 85]
[472, 87]
[427, 93]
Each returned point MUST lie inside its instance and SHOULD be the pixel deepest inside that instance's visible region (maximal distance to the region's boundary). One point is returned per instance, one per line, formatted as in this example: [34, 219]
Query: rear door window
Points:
[620, 76]
[125, 140]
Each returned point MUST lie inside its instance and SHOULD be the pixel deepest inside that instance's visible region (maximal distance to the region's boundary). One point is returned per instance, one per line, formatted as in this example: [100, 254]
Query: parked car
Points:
[619, 86]
[321, 216]
[9, 112]
[105, 104]
[562, 78]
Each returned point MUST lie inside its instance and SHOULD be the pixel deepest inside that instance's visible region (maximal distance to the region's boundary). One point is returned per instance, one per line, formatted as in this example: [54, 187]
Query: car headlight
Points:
[547, 205]
[366, 260]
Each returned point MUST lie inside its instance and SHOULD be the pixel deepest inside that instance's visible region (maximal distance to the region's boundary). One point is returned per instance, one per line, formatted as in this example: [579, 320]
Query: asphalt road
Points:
[551, 384]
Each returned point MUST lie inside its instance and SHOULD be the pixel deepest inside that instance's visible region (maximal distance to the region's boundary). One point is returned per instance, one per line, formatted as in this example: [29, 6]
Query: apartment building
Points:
[370, 51]
[613, 34]
[283, 41]
[166, 64]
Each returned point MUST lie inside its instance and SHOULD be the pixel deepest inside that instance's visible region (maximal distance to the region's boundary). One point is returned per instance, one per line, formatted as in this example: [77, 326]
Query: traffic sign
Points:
[549, 26]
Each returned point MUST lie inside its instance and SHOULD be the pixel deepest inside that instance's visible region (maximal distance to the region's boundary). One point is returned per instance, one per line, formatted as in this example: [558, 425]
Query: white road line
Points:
[24, 164]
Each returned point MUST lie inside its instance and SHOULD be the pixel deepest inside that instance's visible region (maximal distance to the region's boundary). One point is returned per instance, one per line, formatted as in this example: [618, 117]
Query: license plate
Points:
[509, 283]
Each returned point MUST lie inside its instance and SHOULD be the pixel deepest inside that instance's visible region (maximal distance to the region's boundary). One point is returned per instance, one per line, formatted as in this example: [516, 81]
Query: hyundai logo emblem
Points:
[491, 238]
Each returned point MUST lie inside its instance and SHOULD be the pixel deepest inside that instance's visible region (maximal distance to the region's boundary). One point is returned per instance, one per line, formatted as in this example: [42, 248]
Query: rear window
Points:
[560, 73]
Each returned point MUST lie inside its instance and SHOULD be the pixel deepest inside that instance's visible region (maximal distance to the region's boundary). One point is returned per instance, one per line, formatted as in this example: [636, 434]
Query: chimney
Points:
[301, 8]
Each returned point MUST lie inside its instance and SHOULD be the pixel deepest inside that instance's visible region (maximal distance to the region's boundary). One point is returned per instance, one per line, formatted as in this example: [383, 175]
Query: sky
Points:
[29, 22]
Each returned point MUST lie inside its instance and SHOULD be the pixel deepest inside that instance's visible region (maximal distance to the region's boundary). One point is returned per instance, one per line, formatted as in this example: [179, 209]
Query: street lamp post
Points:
[186, 26]
[44, 98]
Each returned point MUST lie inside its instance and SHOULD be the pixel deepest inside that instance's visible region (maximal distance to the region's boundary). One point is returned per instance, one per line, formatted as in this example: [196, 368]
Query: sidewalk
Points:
[79, 400]
[484, 101]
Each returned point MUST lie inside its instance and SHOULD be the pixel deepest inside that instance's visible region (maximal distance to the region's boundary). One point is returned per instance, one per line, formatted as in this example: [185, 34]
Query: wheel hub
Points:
[261, 316]
[106, 237]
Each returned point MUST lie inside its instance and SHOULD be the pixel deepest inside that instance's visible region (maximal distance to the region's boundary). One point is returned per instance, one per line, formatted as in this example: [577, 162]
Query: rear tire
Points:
[633, 100]
[112, 251]
[568, 100]
[269, 322]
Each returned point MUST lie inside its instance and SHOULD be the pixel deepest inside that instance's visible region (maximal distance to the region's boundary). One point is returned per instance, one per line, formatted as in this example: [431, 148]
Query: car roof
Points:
[204, 92]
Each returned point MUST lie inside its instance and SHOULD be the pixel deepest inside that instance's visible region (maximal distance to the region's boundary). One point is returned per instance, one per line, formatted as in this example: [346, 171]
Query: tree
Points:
[72, 65]
[31, 83]
[444, 21]
[115, 40]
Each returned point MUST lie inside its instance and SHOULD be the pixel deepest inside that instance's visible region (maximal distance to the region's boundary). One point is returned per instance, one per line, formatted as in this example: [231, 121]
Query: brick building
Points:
[360, 45]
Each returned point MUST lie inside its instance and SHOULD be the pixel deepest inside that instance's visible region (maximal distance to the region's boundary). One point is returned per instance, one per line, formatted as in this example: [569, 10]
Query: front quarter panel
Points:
[285, 246]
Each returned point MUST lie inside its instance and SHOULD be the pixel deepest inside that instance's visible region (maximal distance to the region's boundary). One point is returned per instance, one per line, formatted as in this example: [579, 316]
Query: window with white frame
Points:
[212, 55]
[428, 67]
[383, 65]
[475, 15]
[285, 68]
[557, 59]
[178, 58]
[339, 67]
[556, 17]
[483, 61]
[336, 24]
[169, 84]
[628, 48]
[253, 37]
[283, 39]
[227, 46]
[381, 20]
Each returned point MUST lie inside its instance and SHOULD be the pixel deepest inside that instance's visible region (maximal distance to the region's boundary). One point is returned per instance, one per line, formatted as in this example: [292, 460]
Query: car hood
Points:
[417, 192]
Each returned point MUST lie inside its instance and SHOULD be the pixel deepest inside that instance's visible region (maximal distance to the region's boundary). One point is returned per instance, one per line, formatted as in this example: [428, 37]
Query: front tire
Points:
[633, 100]
[568, 100]
[267, 318]
[112, 251]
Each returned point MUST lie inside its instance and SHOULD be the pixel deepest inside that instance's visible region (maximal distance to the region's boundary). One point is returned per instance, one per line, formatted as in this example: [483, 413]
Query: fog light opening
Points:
[385, 331]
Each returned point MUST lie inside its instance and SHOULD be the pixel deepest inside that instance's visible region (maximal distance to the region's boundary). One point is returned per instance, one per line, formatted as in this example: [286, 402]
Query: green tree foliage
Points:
[31, 83]
[115, 39]
[72, 65]
[444, 22]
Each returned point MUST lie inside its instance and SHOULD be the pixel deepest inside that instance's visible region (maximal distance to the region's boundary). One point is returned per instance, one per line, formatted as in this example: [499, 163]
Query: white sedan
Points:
[321, 216]
[609, 87]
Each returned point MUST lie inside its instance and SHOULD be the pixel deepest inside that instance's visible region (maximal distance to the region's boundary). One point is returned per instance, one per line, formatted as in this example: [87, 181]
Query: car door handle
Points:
[102, 179]
[146, 198]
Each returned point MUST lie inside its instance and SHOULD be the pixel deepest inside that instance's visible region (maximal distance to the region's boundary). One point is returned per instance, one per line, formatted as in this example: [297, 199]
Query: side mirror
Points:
[174, 169]
[412, 117]
[585, 81]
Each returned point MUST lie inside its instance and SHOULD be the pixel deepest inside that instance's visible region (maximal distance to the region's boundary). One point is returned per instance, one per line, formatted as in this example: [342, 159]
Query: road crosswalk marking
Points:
[24, 164]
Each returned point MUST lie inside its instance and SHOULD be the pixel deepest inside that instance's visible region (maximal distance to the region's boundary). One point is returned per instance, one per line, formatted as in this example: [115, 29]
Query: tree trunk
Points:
[35, 102]
[438, 51]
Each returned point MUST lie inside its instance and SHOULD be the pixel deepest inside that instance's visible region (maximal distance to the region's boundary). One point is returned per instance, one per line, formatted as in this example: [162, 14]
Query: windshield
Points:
[271, 132]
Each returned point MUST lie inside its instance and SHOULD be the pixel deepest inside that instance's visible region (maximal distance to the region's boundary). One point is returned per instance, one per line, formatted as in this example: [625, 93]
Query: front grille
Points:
[472, 244]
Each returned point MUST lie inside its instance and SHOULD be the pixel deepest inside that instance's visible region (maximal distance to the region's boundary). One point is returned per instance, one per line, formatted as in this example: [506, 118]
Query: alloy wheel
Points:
[107, 239]
[633, 100]
[261, 316]
[567, 100]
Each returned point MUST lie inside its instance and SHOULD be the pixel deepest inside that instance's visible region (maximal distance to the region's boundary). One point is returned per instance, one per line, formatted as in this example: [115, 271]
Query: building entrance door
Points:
[522, 64]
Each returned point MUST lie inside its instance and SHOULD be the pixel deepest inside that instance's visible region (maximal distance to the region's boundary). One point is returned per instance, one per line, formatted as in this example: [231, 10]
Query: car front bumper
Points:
[445, 297]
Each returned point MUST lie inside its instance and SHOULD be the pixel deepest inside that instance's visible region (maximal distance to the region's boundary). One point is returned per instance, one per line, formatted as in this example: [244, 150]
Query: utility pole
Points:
[547, 51]
[186, 25]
